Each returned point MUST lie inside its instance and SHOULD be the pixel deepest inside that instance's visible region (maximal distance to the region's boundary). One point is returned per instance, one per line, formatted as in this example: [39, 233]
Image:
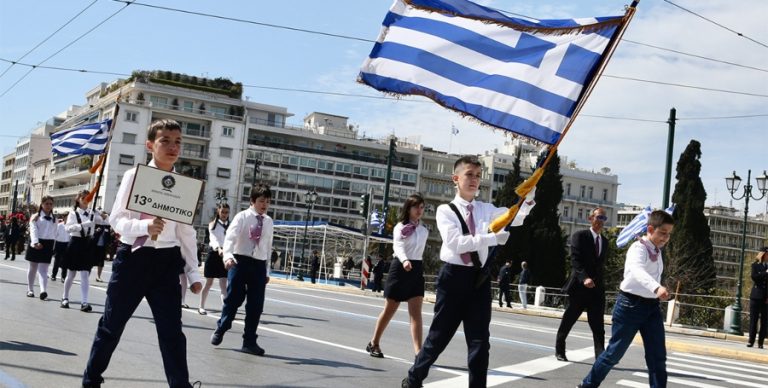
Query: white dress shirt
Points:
[42, 229]
[62, 236]
[130, 226]
[238, 239]
[642, 276]
[216, 231]
[412, 247]
[455, 242]
[86, 225]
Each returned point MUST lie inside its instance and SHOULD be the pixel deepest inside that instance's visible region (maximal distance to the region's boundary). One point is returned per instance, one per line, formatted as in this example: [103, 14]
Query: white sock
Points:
[31, 276]
[42, 273]
[68, 283]
[223, 287]
[84, 286]
[183, 281]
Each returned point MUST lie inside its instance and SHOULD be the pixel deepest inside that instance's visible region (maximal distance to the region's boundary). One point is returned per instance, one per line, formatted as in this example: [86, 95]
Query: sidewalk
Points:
[679, 339]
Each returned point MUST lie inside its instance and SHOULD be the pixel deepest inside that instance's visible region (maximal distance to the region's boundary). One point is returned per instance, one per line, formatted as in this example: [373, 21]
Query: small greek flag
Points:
[637, 226]
[454, 130]
[376, 220]
[523, 76]
[88, 139]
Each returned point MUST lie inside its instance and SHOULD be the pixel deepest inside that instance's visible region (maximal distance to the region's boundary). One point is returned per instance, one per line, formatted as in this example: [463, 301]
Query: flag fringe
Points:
[529, 29]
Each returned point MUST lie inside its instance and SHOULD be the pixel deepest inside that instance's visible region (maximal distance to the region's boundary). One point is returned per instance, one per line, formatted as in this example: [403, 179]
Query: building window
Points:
[582, 192]
[581, 213]
[228, 131]
[223, 172]
[158, 102]
[566, 211]
[225, 152]
[126, 160]
[129, 138]
[188, 106]
[567, 189]
[591, 192]
[131, 116]
[605, 194]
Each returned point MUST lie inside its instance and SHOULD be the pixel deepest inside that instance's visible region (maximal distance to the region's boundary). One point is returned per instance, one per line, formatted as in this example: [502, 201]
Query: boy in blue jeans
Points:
[637, 306]
[463, 284]
[247, 249]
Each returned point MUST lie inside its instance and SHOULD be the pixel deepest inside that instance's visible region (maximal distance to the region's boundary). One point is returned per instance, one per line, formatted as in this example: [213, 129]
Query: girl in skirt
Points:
[214, 264]
[80, 224]
[406, 274]
[42, 233]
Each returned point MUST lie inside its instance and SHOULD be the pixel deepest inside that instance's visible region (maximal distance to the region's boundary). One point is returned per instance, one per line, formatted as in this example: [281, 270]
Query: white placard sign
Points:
[164, 194]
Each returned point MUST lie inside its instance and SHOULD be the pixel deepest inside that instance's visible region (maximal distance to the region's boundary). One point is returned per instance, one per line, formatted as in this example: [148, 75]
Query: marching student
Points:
[637, 306]
[80, 224]
[42, 232]
[102, 239]
[463, 290]
[406, 274]
[149, 269]
[60, 248]
[247, 249]
[214, 264]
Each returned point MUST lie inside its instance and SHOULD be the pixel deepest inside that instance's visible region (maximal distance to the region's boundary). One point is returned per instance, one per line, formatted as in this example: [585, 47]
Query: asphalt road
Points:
[313, 338]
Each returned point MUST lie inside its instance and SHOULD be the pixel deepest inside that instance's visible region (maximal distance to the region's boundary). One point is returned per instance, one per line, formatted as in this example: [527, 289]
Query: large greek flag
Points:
[523, 76]
[88, 139]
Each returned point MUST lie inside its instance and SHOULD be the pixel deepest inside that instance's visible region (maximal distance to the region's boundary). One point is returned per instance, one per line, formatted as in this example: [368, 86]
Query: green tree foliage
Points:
[546, 258]
[516, 248]
[688, 257]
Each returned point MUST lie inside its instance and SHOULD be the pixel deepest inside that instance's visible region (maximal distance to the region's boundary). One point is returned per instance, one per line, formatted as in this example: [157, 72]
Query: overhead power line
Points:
[716, 23]
[685, 86]
[62, 49]
[694, 55]
[48, 37]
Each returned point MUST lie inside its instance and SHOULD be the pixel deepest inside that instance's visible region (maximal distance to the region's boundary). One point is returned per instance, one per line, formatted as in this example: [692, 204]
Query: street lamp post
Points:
[732, 183]
[310, 198]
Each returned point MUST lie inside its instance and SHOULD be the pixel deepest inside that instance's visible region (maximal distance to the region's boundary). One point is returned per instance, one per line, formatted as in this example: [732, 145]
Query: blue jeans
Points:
[246, 280]
[630, 315]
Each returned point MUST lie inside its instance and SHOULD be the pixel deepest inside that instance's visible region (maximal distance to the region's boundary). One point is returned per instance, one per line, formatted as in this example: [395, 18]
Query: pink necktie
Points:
[139, 242]
[408, 230]
[467, 257]
[255, 230]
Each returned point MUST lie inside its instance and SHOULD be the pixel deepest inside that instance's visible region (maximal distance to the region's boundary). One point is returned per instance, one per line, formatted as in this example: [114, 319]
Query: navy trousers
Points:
[146, 273]
[458, 301]
[247, 279]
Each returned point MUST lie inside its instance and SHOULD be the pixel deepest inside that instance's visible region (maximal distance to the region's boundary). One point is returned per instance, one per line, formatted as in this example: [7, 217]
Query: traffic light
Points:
[364, 205]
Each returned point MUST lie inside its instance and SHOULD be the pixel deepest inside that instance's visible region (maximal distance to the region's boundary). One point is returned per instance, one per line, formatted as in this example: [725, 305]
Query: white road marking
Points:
[510, 373]
[740, 383]
[680, 381]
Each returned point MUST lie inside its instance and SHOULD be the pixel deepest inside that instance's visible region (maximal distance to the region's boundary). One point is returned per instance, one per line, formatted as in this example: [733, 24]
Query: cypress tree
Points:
[516, 247]
[546, 255]
[688, 256]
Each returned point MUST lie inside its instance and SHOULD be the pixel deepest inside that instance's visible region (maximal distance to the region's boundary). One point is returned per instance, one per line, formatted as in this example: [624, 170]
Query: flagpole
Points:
[104, 155]
[524, 188]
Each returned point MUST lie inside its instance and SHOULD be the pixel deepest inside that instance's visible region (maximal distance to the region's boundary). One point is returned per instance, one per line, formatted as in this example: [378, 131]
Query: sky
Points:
[140, 37]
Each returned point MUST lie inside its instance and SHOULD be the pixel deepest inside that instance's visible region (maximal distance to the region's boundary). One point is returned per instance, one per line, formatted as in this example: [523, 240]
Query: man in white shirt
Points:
[637, 306]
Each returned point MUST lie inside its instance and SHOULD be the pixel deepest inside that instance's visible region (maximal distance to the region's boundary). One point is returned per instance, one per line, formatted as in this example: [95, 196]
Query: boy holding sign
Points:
[148, 268]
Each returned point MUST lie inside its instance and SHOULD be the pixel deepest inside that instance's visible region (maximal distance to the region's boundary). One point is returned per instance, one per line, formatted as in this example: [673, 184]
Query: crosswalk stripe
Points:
[722, 372]
[719, 365]
[676, 380]
[740, 383]
[507, 374]
[630, 383]
[720, 361]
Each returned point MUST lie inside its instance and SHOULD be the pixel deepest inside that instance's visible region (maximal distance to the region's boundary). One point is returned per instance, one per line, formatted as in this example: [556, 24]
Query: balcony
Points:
[69, 190]
[70, 172]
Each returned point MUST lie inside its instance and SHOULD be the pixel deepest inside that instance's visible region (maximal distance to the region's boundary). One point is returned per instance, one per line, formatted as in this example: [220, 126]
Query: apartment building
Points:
[6, 182]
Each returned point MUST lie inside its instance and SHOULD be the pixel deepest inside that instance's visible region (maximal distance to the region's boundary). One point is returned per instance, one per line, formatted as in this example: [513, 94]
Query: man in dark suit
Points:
[758, 299]
[586, 286]
[505, 276]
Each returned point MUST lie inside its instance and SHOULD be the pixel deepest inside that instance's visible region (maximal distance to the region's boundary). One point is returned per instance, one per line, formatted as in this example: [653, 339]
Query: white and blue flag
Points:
[88, 139]
[637, 227]
[523, 76]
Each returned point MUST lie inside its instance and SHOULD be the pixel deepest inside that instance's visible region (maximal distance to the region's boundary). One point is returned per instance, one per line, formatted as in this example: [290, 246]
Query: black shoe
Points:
[53, 278]
[561, 357]
[64, 303]
[750, 345]
[86, 308]
[254, 349]
[30, 294]
[406, 384]
[43, 295]
[374, 350]
[216, 338]
[509, 305]
[759, 346]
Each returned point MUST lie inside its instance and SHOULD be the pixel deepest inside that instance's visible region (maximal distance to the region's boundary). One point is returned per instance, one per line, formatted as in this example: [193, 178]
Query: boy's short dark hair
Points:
[469, 159]
[162, 124]
[660, 217]
[260, 190]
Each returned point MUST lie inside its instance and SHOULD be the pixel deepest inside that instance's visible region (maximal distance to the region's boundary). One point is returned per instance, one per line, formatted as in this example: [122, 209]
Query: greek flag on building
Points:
[523, 76]
[88, 139]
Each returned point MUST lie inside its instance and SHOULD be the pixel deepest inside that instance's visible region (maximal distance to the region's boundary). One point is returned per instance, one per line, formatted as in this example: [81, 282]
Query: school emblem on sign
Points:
[168, 182]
